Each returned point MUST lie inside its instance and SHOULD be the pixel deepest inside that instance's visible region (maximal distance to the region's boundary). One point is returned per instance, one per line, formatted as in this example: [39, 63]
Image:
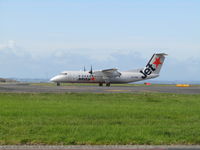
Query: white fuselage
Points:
[109, 76]
[98, 77]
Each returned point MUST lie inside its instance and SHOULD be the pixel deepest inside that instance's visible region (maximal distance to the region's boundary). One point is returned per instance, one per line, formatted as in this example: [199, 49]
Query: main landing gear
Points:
[107, 84]
[58, 83]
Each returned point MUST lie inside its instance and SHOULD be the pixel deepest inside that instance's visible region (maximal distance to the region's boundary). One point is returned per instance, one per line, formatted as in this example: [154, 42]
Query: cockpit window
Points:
[63, 73]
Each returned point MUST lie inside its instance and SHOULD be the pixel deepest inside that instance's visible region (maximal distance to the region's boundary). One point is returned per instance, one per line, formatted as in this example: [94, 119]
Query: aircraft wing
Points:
[107, 74]
[111, 73]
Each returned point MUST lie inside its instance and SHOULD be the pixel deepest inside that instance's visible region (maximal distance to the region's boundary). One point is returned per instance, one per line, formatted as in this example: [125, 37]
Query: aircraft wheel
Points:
[107, 84]
[58, 84]
[100, 84]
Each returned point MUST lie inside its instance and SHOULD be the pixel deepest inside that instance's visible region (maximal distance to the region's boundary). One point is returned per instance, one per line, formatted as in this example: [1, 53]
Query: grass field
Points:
[99, 119]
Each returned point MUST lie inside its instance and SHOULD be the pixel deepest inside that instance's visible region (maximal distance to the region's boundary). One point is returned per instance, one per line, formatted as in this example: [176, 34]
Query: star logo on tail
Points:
[157, 62]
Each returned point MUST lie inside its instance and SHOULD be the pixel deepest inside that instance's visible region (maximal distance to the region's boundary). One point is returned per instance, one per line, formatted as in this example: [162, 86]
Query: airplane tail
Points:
[154, 65]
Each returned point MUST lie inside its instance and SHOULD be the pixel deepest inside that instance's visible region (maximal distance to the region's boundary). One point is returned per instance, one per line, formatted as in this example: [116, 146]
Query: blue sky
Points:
[41, 38]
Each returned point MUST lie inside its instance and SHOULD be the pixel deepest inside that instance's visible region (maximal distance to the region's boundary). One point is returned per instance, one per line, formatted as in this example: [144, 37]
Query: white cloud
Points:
[12, 44]
[2, 46]
[18, 62]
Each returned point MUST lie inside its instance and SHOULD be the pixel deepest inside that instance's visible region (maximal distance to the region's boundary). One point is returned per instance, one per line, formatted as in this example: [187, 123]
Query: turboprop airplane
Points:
[112, 76]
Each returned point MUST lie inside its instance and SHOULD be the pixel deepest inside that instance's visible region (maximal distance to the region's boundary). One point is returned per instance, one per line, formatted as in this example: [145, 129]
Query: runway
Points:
[29, 88]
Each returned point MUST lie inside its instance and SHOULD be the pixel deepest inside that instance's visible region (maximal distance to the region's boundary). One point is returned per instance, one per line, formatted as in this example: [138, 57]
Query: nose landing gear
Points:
[58, 83]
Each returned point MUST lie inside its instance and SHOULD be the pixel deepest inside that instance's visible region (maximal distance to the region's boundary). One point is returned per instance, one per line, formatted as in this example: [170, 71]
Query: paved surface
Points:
[26, 88]
[111, 147]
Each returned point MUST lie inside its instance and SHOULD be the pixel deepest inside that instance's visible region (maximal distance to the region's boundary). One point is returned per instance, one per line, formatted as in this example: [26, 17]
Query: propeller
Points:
[84, 69]
[91, 72]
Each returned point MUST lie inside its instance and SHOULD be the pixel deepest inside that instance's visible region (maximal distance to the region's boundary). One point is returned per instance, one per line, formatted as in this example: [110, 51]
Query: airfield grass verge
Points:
[81, 118]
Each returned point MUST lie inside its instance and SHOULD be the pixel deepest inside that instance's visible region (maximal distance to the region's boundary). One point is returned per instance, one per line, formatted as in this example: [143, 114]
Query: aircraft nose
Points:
[54, 79]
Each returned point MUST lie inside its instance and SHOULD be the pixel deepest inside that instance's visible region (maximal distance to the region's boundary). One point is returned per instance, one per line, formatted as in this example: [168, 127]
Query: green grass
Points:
[99, 119]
